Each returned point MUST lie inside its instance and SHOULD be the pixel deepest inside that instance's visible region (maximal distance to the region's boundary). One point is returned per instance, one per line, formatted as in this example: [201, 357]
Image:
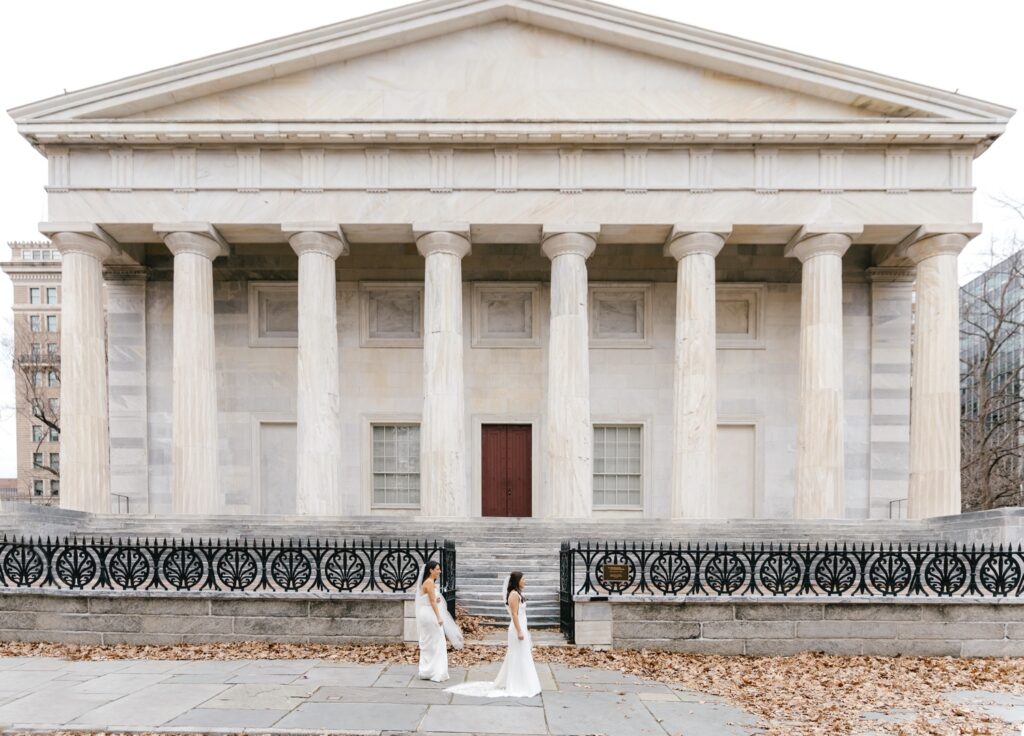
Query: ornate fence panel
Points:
[639, 568]
[367, 566]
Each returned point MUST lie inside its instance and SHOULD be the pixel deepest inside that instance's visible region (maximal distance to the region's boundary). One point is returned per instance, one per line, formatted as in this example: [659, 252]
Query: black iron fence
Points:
[638, 568]
[365, 566]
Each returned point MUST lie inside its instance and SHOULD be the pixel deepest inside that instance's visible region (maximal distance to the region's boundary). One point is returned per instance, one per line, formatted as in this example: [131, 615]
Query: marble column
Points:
[84, 425]
[569, 435]
[318, 451]
[935, 378]
[443, 481]
[819, 459]
[194, 435]
[694, 410]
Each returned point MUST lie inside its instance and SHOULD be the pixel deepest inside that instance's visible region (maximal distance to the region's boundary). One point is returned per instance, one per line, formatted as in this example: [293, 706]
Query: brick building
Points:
[34, 270]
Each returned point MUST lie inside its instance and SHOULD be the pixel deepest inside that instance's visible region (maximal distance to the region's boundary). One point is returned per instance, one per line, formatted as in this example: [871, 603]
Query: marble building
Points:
[510, 258]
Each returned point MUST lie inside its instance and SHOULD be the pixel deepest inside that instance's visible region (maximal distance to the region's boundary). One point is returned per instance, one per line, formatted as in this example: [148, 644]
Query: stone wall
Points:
[142, 617]
[774, 626]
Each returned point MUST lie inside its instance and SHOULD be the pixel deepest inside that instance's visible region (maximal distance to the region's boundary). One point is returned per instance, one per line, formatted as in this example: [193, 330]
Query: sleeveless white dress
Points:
[517, 677]
[433, 648]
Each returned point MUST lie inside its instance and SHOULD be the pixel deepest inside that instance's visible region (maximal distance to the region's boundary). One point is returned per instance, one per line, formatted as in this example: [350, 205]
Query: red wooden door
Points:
[506, 470]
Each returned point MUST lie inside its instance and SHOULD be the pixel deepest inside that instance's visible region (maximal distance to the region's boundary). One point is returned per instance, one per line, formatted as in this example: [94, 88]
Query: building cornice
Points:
[908, 131]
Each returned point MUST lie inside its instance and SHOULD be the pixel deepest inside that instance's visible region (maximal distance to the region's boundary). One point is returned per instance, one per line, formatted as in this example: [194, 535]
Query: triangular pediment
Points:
[507, 71]
[508, 60]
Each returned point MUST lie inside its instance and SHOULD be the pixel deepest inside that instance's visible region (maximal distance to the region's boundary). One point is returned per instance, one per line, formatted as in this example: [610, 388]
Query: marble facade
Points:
[439, 217]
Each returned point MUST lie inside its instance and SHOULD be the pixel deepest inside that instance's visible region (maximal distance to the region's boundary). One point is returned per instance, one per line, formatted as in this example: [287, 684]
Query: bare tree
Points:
[37, 390]
[992, 364]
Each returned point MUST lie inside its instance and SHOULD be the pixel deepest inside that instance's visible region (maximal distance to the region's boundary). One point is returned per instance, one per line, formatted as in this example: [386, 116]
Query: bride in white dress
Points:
[433, 623]
[517, 677]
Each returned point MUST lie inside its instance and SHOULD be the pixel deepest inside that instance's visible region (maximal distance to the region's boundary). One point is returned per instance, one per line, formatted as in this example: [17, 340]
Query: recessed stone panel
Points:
[505, 315]
[391, 314]
[620, 315]
[273, 314]
[739, 316]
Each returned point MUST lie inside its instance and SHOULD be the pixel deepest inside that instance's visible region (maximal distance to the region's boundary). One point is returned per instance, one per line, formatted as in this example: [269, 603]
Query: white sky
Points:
[69, 44]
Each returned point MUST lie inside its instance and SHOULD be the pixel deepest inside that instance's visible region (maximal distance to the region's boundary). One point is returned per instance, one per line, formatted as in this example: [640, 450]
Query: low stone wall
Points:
[145, 617]
[774, 626]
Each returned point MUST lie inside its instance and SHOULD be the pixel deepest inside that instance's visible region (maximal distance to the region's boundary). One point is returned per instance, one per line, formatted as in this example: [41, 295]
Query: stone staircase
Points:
[489, 548]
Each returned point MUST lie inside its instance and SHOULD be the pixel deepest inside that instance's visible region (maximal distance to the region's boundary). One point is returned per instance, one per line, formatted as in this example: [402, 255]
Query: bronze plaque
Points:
[615, 573]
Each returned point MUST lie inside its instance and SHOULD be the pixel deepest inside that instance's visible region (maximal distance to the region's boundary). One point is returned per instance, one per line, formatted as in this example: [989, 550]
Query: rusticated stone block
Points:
[835, 629]
[258, 607]
[950, 631]
[656, 629]
[187, 624]
[88, 622]
[891, 611]
[982, 612]
[59, 637]
[672, 611]
[755, 611]
[912, 648]
[35, 602]
[356, 608]
[748, 630]
[992, 648]
[171, 605]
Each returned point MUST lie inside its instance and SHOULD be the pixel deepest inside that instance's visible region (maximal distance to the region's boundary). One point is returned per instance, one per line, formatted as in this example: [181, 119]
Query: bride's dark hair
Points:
[429, 568]
[513, 584]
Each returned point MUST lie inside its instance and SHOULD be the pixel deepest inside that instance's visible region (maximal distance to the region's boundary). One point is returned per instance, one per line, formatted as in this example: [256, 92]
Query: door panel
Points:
[506, 470]
[520, 470]
[493, 471]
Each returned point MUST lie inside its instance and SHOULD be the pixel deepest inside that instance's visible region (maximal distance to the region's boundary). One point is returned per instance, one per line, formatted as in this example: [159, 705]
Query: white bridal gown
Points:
[433, 649]
[517, 677]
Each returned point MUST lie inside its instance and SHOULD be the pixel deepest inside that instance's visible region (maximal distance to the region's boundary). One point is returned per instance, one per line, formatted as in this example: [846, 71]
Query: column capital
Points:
[80, 237]
[934, 240]
[448, 237]
[324, 239]
[816, 240]
[80, 243]
[200, 238]
[581, 239]
[688, 240]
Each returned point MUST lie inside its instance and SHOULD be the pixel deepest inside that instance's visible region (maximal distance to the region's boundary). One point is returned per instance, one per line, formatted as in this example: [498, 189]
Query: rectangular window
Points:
[37, 378]
[55, 461]
[51, 379]
[54, 487]
[33, 296]
[37, 433]
[54, 407]
[51, 323]
[54, 434]
[36, 350]
[37, 459]
[396, 465]
[46, 254]
[35, 323]
[51, 348]
[51, 294]
[618, 465]
[37, 488]
[37, 408]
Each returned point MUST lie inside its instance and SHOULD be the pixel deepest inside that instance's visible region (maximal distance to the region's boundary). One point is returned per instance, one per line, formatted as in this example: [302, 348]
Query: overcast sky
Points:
[69, 44]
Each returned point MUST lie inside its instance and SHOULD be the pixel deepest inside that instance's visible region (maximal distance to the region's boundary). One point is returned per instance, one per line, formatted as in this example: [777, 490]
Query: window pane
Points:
[618, 465]
[396, 464]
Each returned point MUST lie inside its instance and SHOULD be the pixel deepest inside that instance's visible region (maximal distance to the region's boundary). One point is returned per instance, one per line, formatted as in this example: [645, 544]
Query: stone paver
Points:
[311, 697]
